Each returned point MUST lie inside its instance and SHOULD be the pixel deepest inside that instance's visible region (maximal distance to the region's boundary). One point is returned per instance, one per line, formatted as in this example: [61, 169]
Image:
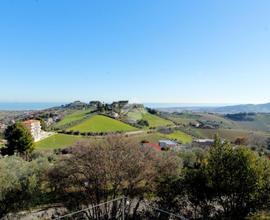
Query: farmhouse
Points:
[167, 144]
[35, 128]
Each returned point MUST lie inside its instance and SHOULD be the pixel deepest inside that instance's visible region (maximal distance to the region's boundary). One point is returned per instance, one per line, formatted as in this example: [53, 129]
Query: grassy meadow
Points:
[155, 121]
[57, 141]
[100, 123]
[180, 137]
[73, 117]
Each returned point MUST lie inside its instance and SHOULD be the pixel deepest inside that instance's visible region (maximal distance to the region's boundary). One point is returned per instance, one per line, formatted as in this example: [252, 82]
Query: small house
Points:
[167, 144]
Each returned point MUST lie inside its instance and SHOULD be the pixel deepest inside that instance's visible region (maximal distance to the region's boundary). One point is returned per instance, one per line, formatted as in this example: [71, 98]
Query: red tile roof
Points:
[152, 145]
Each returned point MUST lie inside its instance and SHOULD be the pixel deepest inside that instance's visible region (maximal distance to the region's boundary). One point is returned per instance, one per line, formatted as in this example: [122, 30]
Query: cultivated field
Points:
[73, 117]
[100, 123]
[57, 141]
[180, 137]
[155, 121]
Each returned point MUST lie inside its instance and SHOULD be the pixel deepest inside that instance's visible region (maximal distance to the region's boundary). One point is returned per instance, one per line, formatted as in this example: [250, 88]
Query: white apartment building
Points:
[35, 128]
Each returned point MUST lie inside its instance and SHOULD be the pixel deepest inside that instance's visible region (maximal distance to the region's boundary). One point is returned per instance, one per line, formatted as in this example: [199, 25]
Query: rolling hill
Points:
[156, 121]
[100, 123]
[72, 118]
[260, 108]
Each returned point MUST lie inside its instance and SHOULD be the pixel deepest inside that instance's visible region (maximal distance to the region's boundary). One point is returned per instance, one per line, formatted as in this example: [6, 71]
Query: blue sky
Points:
[178, 51]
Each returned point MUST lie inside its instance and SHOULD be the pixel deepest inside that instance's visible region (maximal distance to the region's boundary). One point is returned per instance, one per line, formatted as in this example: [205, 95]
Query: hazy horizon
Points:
[24, 106]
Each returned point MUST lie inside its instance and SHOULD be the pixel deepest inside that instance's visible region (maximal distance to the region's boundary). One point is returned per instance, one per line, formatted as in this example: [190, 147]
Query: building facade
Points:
[35, 128]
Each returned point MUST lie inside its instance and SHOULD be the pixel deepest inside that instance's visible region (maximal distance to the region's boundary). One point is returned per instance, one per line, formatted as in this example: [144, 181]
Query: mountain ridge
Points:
[230, 109]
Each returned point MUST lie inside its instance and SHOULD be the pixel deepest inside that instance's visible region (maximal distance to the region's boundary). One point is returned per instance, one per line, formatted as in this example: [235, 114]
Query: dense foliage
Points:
[241, 116]
[19, 140]
[225, 181]
[20, 183]
[230, 182]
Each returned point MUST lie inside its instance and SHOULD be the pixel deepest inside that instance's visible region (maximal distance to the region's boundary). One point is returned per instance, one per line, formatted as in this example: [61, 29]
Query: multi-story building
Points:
[35, 128]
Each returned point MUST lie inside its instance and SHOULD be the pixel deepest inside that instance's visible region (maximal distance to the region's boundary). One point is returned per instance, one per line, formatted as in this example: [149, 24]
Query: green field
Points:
[57, 141]
[155, 121]
[184, 118]
[187, 118]
[261, 122]
[100, 123]
[180, 137]
[73, 117]
[229, 134]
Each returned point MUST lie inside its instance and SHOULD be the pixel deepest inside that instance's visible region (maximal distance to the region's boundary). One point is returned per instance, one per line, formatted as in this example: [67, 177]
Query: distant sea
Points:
[23, 106]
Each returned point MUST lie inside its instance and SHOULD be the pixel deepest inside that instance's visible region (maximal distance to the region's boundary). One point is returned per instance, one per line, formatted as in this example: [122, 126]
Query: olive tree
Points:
[20, 183]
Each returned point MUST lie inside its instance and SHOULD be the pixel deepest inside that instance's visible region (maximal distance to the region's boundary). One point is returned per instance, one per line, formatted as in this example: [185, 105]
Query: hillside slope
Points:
[72, 118]
[100, 123]
[156, 121]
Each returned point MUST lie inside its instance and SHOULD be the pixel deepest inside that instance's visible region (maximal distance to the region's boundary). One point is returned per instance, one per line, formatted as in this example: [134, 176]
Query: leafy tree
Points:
[102, 171]
[189, 158]
[19, 140]
[42, 123]
[198, 191]
[20, 183]
[235, 175]
[143, 122]
[168, 186]
[230, 182]
[152, 111]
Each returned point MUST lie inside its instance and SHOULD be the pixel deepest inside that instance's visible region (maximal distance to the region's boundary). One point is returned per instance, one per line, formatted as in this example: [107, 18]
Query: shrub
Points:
[20, 183]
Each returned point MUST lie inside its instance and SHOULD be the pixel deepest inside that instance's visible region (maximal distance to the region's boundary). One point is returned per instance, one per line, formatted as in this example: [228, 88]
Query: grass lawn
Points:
[155, 121]
[100, 123]
[180, 136]
[75, 116]
[57, 141]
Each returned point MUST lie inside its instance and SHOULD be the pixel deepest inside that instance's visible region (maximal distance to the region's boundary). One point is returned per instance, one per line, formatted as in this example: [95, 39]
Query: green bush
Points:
[20, 183]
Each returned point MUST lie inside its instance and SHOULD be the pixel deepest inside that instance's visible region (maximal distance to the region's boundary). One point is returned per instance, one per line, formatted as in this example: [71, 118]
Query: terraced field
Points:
[57, 141]
[100, 123]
